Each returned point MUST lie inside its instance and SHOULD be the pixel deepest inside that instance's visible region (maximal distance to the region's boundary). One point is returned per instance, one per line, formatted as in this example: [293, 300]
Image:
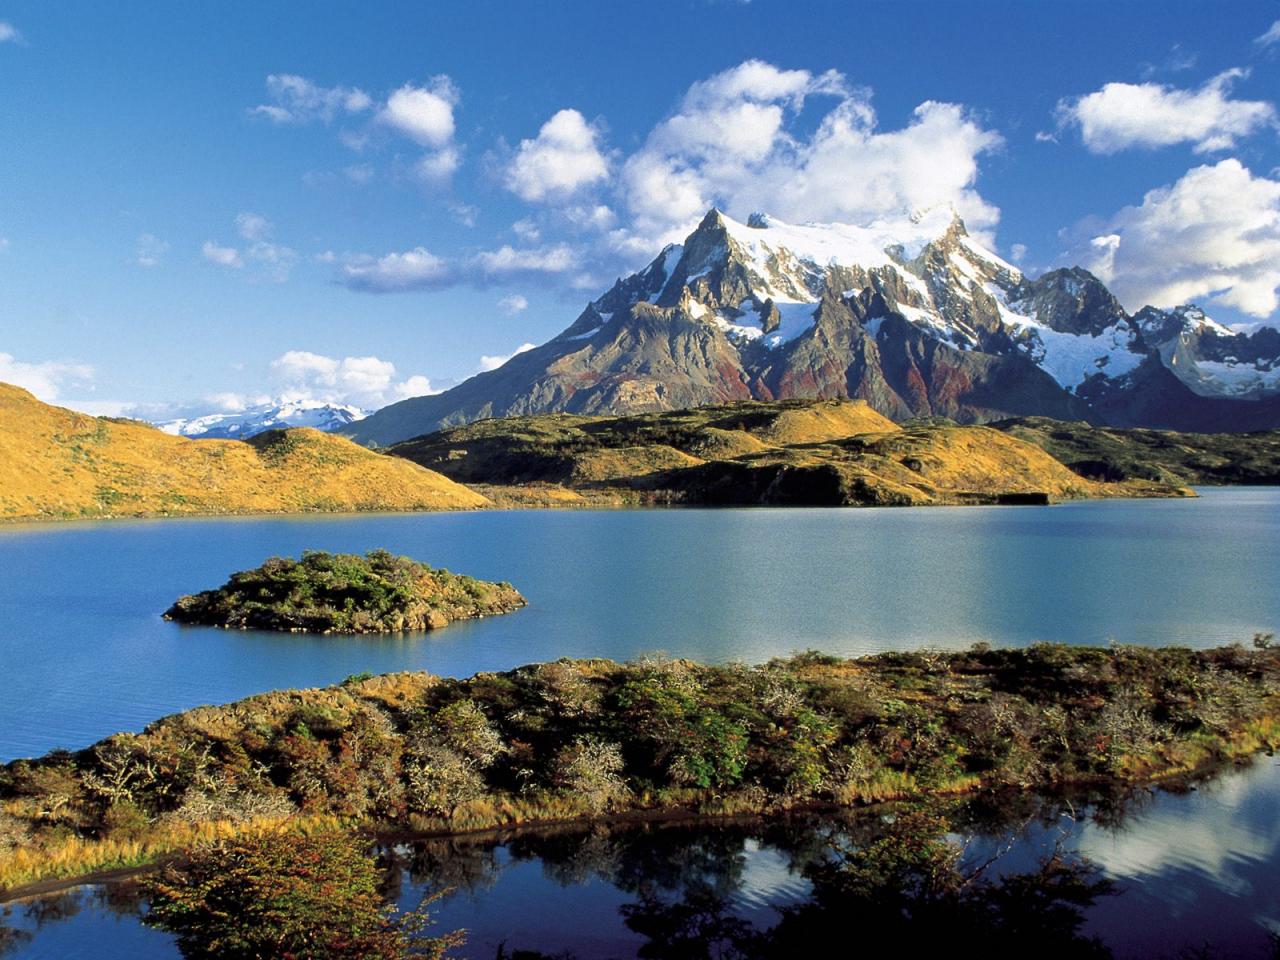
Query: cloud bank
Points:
[1213, 234]
[45, 379]
[1123, 116]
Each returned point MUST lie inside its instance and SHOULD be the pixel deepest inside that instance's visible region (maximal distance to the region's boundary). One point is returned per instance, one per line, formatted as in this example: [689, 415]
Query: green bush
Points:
[282, 896]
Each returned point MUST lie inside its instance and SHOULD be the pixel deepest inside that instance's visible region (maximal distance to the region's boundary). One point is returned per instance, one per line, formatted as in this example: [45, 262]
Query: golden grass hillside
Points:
[793, 452]
[57, 464]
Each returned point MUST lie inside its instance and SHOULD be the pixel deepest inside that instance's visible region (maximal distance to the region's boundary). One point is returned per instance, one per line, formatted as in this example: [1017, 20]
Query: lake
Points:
[84, 651]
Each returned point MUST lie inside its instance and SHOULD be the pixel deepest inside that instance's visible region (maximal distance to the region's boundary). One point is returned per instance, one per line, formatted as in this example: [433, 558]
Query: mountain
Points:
[917, 318]
[56, 463]
[783, 452]
[281, 415]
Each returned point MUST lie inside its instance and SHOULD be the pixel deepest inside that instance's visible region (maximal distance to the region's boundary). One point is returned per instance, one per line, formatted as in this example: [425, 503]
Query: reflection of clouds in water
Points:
[1218, 832]
[768, 880]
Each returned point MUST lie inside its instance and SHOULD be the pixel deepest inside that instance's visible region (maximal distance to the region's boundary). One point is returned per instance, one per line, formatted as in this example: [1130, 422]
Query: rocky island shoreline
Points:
[344, 593]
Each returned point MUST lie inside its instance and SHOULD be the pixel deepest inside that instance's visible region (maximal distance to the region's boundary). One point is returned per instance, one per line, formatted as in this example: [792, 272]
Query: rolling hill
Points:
[55, 463]
[796, 452]
[1167, 456]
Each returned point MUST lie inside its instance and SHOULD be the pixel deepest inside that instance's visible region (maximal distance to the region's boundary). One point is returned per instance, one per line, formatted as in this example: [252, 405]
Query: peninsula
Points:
[594, 738]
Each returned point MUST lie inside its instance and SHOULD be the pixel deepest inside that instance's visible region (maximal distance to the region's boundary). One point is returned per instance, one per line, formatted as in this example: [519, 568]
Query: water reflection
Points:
[1193, 867]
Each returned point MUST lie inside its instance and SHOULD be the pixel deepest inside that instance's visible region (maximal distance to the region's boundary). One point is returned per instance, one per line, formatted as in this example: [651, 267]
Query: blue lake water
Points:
[84, 651]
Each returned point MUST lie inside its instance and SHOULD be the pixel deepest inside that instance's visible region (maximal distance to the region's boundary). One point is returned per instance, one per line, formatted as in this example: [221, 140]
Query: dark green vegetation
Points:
[277, 895]
[1163, 456]
[595, 738]
[345, 593]
[797, 452]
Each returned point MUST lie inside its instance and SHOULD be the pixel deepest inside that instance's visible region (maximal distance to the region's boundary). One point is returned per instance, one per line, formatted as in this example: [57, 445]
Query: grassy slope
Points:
[55, 463]
[1162, 455]
[791, 452]
[574, 738]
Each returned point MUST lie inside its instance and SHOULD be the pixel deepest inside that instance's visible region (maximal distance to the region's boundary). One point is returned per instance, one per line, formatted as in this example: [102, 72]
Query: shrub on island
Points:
[344, 593]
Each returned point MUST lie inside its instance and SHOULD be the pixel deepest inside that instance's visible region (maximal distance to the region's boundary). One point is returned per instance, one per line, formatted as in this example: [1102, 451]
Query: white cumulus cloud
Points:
[1213, 234]
[1272, 36]
[736, 142]
[222, 256]
[438, 166]
[9, 33]
[1125, 115]
[416, 269]
[802, 145]
[493, 363]
[419, 269]
[367, 382]
[507, 260]
[564, 157]
[423, 114]
[296, 99]
[271, 261]
[253, 226]
[513, 304]
[45, 379]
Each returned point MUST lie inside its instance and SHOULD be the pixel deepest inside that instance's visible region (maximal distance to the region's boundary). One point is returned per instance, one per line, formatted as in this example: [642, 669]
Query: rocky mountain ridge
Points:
[916, 318]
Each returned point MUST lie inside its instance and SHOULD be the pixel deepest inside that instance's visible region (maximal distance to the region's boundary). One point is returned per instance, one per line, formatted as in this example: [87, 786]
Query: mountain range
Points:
[273, 415]
[917, 317]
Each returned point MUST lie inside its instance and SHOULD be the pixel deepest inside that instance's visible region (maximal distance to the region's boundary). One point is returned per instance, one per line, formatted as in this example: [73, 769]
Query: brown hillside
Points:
[822, 421]
[800, 452]
[55, 463]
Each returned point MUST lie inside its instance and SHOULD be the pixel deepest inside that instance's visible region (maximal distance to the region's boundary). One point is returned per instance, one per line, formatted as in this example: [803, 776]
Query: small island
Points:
[344, 593]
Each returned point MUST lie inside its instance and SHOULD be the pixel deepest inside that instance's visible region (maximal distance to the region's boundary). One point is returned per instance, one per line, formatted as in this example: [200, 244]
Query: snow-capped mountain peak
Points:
[274, 415]
[914, 315]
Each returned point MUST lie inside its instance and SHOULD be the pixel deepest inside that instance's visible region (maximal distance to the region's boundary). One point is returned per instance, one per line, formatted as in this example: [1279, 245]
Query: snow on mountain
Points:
[914, 315]
[1072, 358]
[944, 282]
[278, 415]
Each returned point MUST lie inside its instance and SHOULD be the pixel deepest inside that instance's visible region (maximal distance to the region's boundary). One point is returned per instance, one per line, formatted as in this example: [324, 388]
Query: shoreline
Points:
[553, 743]
[506, 832]
[587, 504]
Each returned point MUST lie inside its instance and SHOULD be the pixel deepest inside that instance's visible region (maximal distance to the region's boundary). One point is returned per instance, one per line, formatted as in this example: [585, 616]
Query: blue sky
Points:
[204, 205]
